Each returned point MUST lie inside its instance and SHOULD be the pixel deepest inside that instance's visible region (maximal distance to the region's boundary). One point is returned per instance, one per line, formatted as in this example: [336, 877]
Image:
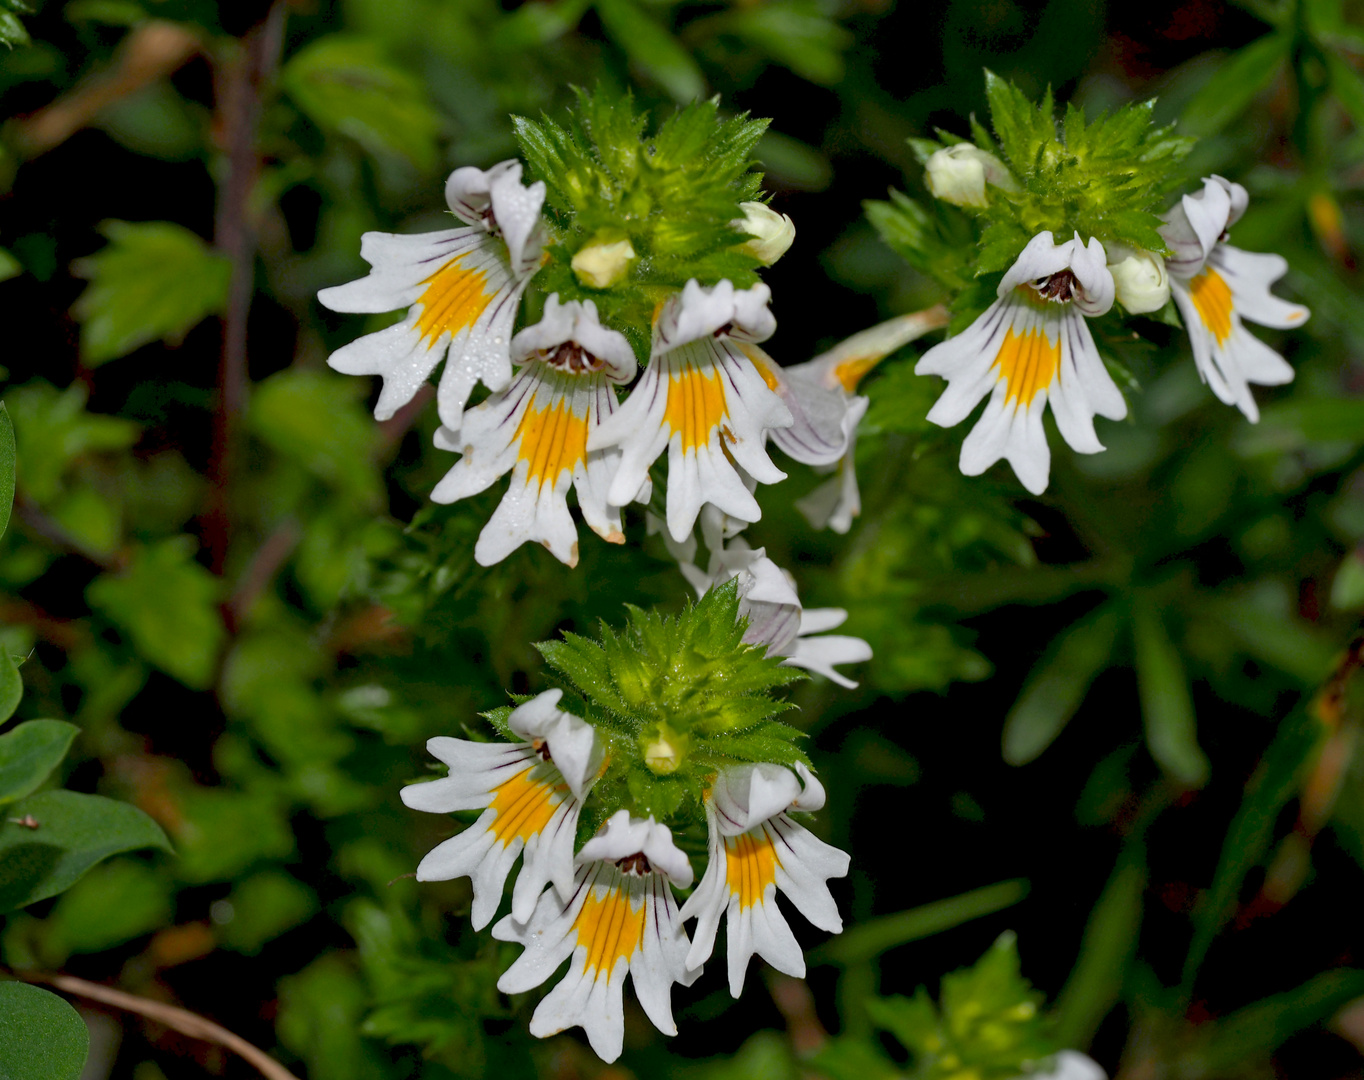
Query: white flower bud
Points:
[772, 232]
[600, 265]
[958, 174]
[1143, 285]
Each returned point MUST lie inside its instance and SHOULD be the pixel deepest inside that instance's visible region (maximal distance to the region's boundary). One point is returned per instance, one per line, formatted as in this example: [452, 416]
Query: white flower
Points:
[1031, 346]
[773, 233]
[463, 287]
[532, 792]
[1068, 1065]
[776, 619]
[601, 265]
[756, 851]
[703, 401]
[821, 395]
[1216, 286]
[1140, 278]
[619, 918]
[538, 429]
[958, 175]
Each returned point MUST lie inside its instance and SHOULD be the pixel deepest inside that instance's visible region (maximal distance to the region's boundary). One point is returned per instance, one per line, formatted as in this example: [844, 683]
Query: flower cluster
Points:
[610, 906]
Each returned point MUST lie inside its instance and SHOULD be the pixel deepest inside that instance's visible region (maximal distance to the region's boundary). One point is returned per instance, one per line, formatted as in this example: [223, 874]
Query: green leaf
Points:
[1268, 791]
[154, 281]
[872, 937]
[799, 34]
[1166, 705]
[41, 1036]
[12, 31]
[1058, 684]
[11, 691]
[261, 908]
[349, 85]
[1348, 86]
[7, 467]
[1235, 85]
[30, 752]
[168, 605]
[652, 49]
[73, 833]
[1107, 948]
[114, 903]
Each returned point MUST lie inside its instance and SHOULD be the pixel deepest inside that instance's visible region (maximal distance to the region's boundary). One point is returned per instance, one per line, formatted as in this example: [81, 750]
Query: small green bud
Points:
[601, 264]
[772, 233]
[663, 749]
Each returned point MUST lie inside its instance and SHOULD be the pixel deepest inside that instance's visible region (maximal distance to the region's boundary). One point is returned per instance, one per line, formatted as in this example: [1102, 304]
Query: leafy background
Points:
[1093, 719]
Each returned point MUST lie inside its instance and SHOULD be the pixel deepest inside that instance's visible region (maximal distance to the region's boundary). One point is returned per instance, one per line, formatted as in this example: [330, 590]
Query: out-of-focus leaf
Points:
[1293, 425]
[41, 1036]
[167, 604]
[262, 907]
[1166, 705]
[222, 832]
[1347, 588]
[764, 1056]
[1255, 1032]
[53, 431]
[319, 1020]
[9, 266]
[11, 693]
[1058, 684]
[1231, 90]
[652, 49]
[1109, 942]
[350, 86]
[7, 467]
[794, 163]
[1252, 829]
[72, 834]
[12, 31]
[798, 34]
[112, 904]
[30, 752]
[315, 418]
[871, 938]
[1348, 86]
[155, 281]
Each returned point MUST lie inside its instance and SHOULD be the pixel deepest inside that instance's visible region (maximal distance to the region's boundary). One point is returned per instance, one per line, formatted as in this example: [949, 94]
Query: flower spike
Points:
[538, 429]
[463, 287]
[620, 918]
[1031, 347]
[701, 399]
[530, 794]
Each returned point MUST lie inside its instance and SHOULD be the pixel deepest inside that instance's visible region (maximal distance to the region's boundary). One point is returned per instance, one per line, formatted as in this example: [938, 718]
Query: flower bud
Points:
[958, 174]
[1143, 285]
[663, 750]
[602, 264]
[772, 232]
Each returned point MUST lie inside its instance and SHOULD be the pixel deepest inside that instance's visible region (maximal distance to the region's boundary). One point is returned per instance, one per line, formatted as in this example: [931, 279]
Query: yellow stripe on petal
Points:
[1212, 300]
[750, 866]
[609, 928]
[453, 300]
[553, 440]
[696, 406]
[851, 371]
[524, 806]
[1027, 362]
[763, 363]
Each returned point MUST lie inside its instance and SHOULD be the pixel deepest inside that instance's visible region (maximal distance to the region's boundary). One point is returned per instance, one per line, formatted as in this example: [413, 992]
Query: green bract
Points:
[674, 195]
[674, 698]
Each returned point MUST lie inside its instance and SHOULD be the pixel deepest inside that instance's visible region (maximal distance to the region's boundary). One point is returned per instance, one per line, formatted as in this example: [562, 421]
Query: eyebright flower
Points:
[538, 428]
[1216, 286]
[619, 917]
[822, 397]
[463, 285]
[703, 400]
[756, 851]
[1031, 346]
[776, 619]
[532, 792]
[958, 175]
[773, 233]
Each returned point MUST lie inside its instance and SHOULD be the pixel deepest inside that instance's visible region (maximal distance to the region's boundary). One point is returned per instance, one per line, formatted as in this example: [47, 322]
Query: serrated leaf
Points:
[349, 85]
[154, 281]
[1057, 685]
[73, 833]
[168, 606]
[41, 1036]
[1235, 85]
[29, 753]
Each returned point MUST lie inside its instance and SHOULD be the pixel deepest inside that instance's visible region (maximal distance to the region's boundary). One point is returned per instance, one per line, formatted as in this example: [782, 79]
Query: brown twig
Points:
[234, 233]
[181, 1020]
[264, 565]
